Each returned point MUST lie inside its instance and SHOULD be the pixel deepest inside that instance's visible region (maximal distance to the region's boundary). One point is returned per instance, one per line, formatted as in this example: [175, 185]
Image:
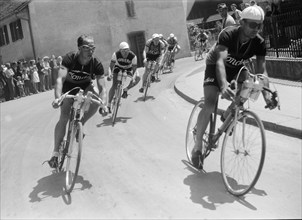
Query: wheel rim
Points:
[243, 154]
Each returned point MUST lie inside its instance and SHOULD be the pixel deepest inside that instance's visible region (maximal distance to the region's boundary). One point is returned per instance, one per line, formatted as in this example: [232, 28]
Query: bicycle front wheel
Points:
[116, 104]
[148, 82]
[192, 130]
[243, 153]
[73, 156]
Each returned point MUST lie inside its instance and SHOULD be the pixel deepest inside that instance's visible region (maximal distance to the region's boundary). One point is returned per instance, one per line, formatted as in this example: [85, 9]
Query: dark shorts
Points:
[117, 69]
[210, 78]
[152, 57]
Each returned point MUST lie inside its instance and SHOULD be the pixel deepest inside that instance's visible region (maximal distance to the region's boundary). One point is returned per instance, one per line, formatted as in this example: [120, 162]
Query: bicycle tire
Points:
[73, 157]
[117, 98]
[248, 129]
[191, 132]
[148, 82]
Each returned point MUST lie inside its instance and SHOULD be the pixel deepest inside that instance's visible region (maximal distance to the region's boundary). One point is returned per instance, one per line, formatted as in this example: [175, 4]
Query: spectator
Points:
[14, 68]
[41, 75]
[268, 9]
[20, 85]
[26, 79]
[237, 13]
[3, 83]
[47, 72]
[252, 3]
[227, 20]
[54, 70]
[33, 70]
[9, 73]
[244, 5]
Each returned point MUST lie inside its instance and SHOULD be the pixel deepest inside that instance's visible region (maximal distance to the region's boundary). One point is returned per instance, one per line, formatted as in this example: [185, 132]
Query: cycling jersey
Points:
[124, 63]
[80, 75]
[237, 54]
[172, 42]
[154, 50]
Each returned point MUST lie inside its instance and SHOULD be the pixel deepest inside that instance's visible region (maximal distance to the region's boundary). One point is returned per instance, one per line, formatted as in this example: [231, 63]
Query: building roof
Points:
[10, 7]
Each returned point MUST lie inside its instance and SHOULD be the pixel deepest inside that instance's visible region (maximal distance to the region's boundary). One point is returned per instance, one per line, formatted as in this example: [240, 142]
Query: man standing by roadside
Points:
[227, 20]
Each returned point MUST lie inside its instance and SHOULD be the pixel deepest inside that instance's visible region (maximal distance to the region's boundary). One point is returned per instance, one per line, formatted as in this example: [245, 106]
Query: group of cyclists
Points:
[80, 68]
[235, 44]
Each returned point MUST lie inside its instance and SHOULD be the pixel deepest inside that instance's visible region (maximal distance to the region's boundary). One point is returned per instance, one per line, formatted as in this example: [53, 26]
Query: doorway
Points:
[137, 45]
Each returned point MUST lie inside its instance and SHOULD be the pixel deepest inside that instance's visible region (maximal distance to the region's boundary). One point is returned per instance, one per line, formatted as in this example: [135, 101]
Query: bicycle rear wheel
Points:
[73, 157]
[243, 153]
[116, 104]
[191, 133]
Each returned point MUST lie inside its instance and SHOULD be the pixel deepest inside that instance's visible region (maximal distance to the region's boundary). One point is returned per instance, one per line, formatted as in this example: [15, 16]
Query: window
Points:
[16, 30]
[130, 8]
[4, 40]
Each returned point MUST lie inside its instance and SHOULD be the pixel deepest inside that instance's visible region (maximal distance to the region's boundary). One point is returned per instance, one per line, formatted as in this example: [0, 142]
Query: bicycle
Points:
[116, 101]
[150, 68]
[168, 64]
[200, 50]
[244, 137]
[71, 147]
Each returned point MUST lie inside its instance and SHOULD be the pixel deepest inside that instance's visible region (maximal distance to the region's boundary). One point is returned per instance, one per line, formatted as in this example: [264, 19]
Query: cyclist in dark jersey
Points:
[123, 59]
[234, 45]
[78, 69]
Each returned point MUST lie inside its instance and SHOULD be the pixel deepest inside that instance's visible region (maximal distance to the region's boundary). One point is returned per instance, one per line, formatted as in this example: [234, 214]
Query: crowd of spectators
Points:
[24, 78]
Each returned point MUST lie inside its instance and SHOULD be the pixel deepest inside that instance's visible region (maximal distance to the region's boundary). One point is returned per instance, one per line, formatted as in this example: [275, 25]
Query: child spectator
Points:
[20, 85]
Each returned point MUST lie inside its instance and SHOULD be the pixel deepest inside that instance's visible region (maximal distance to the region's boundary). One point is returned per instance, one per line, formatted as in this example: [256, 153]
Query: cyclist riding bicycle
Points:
[224, 60]
[123, 60]
[153, 51]
[163, 57]
[78, 69]
[202, 39]
[173, 47]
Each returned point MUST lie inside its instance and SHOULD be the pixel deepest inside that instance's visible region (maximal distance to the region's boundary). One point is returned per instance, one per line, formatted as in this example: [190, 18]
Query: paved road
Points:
[136, 169]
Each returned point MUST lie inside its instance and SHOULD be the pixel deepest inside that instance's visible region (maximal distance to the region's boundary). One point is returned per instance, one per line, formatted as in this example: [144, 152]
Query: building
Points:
[35, 28]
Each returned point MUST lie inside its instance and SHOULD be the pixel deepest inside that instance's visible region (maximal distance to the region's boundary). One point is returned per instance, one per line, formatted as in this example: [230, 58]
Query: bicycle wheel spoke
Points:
[243, 153]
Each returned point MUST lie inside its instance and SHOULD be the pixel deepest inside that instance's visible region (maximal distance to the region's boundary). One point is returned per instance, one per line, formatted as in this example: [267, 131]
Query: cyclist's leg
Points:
[60, 128]
[113, 87]
[134, 82]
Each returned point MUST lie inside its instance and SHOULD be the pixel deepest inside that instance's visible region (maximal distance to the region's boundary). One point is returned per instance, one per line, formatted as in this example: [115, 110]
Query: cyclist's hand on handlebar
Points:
[227, 91]
[271, 100]
[56, 103]
[104, 111]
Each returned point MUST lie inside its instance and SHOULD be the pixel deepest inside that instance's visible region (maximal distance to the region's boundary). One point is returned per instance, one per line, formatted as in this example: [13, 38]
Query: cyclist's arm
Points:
[134, 65]
[222, 53]
[100, 80]
[60, 80]
[261, 68]
[112, 62]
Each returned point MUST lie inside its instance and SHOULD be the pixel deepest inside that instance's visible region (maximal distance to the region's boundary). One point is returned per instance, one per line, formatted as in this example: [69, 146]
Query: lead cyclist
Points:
[234, 46]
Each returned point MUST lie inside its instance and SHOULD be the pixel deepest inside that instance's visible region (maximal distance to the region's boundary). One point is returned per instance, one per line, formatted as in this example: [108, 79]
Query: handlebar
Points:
[81, 98]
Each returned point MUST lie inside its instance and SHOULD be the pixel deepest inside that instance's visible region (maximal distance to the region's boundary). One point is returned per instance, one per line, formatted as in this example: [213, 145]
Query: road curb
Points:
[270, 126]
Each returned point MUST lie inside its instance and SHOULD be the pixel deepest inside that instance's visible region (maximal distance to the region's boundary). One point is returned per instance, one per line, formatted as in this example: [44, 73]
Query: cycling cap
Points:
[155, 36]
[124, 45]
[160, 35]
[253, 13]
[171, 35]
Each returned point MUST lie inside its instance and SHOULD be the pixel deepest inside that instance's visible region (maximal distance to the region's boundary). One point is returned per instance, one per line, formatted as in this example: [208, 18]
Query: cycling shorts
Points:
[69, 85]
[117, 69]
[153, 57]
[210, 78]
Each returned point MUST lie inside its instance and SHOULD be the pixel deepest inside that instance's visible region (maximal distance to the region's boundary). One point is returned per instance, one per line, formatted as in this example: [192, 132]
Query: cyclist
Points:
[173, 47]
[78, 69]
[153, 51]
[234, 46]
[163, 57]
[123, 59]
[203, 39]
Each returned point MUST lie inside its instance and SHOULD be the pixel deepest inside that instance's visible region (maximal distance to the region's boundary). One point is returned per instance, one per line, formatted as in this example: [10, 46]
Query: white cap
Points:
[155, 36]
[253, 13]
[160, 35]
[124, 45]
[171, 35]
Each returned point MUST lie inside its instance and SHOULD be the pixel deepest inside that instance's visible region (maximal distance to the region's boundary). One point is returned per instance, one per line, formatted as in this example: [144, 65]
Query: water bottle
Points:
[246, 88]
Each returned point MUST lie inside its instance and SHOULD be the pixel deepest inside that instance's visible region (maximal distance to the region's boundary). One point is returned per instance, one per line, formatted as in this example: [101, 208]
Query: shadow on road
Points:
[141, 99]
[208, 189]
[53, 186]
[108, 121]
